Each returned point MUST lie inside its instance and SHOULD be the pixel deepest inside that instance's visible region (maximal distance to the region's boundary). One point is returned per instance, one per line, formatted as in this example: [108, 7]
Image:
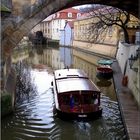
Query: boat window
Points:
[72, 75]
[94, 96]
[65, 99]
[86, 99]
[94, 99]
[76, 99]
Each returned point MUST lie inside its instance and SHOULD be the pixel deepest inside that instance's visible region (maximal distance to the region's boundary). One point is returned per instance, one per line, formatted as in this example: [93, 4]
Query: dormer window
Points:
[69, 14]
[53, 15]
[78, 15]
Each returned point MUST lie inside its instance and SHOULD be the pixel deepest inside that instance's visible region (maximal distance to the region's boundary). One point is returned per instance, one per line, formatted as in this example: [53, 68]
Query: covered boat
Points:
[76, 96]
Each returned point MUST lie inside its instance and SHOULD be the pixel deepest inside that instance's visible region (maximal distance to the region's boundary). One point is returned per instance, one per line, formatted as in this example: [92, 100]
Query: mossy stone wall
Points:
[6, 104]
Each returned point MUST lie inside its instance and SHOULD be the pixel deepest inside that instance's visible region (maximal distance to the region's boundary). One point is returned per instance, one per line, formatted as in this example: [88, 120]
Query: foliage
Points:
[3, 8]
[39, 39]
[24, 86]
[6, 104]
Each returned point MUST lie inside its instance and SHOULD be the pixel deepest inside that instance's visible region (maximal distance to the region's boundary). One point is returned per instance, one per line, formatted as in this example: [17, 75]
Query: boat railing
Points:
[71, 76]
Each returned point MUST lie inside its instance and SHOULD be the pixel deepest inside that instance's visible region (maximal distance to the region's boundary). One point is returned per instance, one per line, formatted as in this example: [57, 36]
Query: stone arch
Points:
[14, 32]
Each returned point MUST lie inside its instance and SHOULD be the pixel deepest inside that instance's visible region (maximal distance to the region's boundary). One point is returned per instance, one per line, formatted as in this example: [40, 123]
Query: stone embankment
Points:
[129, 109]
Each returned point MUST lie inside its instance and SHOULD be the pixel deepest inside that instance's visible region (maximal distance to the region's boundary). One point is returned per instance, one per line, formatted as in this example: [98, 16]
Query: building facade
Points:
[66, 35]
[98, 40]
[84, 37]
[52, 25]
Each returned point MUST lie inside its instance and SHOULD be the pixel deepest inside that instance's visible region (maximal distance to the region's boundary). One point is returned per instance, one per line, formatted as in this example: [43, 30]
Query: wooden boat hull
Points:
[104, 73]
[79, 116]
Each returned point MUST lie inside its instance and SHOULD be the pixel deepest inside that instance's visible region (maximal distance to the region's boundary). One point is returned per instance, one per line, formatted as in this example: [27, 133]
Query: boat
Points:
[76, 96]
[105, 62]
[104, 72]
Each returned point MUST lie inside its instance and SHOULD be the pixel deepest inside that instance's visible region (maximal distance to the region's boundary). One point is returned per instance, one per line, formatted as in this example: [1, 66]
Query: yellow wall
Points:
[81, 32]
[102, 49]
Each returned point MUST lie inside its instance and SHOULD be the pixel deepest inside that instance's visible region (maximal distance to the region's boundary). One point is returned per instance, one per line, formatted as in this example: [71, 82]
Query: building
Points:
[52, 25]
[99, 41]
[86, 38]
[46, 26]
[133, 28]
[66, 35]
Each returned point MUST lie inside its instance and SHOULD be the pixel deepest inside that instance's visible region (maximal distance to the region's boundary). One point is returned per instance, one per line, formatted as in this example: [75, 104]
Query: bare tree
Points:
[97, 32]
[106, 17]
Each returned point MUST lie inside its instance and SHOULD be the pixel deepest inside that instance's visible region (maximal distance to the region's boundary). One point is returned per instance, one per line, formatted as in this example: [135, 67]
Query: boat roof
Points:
[75, 84]
[73, 80]
[65, 73]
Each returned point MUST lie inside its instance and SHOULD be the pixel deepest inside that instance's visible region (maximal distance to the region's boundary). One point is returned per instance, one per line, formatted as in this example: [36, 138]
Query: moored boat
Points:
[76, 96]
[104, 72]
[105, 62]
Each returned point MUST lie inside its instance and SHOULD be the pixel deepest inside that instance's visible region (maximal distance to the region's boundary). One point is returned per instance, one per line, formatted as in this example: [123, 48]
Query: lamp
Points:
[138, 53]
[133, 58]
[131, 61]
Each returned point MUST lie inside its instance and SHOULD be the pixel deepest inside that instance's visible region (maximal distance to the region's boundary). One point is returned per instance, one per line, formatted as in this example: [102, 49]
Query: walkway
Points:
[129, 110]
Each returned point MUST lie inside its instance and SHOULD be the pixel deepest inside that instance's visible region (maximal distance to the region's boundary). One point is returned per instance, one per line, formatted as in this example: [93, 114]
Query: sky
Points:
[81, 6]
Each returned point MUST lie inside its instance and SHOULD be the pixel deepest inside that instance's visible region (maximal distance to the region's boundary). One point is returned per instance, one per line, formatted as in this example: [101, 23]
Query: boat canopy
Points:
[105, 62]
[67, 73]
[75, 84]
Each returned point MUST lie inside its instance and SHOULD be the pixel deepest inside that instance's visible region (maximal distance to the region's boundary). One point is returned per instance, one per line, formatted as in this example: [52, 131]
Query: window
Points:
[78, 14]
[53, 15]
[58, 14]
[65, 99]
[86, 99]
[69, 14]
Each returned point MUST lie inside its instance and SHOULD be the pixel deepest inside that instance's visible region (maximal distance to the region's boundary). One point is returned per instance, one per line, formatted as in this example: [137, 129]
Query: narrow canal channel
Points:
[34, 118]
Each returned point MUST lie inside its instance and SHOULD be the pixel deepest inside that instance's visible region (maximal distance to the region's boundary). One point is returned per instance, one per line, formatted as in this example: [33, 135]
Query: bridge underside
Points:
[133, 7]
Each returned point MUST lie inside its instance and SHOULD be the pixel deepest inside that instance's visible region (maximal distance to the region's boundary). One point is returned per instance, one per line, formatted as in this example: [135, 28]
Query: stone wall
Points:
[8, 93]
[123, 55]
[7, 3]
[106, 50]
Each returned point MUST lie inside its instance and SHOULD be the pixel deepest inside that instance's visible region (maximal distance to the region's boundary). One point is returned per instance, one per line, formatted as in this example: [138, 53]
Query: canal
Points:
[34, 118]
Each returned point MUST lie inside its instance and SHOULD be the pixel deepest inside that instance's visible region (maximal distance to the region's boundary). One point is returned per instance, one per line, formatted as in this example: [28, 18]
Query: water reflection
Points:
[34, 118]
[25, 87]
[103, 83]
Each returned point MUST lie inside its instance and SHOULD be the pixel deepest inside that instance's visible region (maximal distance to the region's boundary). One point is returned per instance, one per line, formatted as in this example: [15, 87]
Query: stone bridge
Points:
[27, 14]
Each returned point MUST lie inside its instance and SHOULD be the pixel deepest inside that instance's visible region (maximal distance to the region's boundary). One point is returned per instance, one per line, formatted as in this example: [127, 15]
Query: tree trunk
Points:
[126, 36]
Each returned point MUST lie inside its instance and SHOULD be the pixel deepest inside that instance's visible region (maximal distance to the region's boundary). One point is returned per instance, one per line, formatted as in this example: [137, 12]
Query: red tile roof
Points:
[70, 10]
[63, 14]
